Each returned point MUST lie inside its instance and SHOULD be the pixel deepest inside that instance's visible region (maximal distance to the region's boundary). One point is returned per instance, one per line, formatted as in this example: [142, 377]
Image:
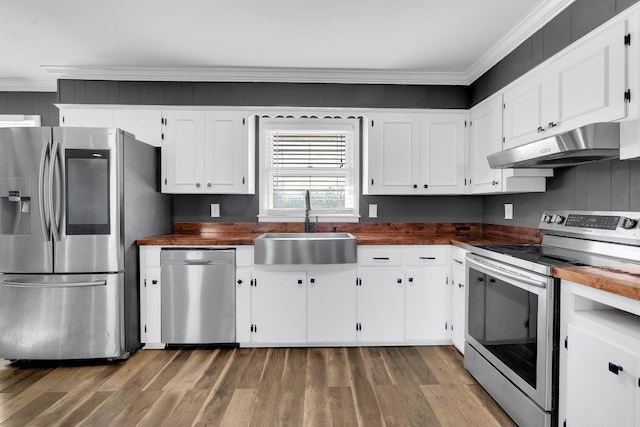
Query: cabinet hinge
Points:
[504, 106]
[503, 139]
[254, 282]
[564, 423]
[446, 281]
[243, 120]
[465, 123]
[465, 181]
[145, 283]
[165, 181]
[446, 326]
[627, 39]
[627, 95]
[371, 181]
[358, 326]
[162, 136]
[372, 123]
[254, 328]
[243, 179]
[566, 342]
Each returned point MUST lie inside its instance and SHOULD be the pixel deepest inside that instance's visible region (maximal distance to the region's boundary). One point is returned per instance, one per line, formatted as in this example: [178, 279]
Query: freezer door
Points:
[46, 317]
[25, 240]
[86, 187]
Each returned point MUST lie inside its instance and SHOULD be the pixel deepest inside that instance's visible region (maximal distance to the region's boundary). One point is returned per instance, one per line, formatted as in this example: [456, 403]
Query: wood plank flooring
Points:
[368, 386]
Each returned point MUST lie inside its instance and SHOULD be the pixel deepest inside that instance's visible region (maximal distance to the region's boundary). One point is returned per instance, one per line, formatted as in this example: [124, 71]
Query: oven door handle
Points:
[511, 276]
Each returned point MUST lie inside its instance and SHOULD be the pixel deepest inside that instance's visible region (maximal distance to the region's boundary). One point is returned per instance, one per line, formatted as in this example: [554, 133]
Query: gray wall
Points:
[31, 103]
[607, 185]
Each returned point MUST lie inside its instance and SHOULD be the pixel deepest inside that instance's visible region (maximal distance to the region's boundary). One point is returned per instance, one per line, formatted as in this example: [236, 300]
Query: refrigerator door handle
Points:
[45, 162]
[54, 205]
[15, 284]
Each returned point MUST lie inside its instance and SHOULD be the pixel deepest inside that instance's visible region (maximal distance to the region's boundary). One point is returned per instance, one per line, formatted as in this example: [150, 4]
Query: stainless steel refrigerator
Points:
[73, 201]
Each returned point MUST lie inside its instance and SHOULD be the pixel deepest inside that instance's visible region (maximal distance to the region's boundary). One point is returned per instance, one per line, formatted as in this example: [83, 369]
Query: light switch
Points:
[508, 211]
[373, 211]
[215, 210]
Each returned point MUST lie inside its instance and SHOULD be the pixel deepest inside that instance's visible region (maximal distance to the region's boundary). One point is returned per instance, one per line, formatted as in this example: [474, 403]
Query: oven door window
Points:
[503, 319]
[87, 191]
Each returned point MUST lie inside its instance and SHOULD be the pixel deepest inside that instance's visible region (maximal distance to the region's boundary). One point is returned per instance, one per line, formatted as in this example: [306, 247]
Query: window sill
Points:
[312, 218]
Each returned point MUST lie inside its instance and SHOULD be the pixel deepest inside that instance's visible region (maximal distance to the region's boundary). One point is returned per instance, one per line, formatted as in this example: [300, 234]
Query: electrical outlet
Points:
[508, 211]
[373, 211]
[215, 210]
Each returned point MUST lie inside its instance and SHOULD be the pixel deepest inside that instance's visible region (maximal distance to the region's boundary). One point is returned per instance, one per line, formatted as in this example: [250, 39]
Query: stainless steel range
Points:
[513, 302]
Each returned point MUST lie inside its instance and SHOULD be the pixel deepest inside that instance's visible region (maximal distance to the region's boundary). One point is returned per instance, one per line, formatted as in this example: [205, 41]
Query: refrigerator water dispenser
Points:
[15, 206]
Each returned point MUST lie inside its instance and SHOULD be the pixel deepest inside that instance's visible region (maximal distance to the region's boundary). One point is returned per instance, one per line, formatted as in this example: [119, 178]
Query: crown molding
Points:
[531, 23]
[255, 74]
[23, 85]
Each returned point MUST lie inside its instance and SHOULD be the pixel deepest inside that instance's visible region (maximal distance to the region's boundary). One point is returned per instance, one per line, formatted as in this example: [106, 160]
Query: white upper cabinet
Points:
[584, 84]
[86, 117]
[415, 153]
[485, 138]
[206, 152]
[183, 155]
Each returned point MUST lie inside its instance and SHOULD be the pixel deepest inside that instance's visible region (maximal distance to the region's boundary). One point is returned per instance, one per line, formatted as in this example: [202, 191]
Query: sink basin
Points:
[305, 248]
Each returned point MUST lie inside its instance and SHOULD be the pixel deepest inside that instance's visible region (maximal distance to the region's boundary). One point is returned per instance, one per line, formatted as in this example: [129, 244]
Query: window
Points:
[314, 154]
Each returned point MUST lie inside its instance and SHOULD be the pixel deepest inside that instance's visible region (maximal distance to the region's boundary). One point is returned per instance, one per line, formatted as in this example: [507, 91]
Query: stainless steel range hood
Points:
[597, 141]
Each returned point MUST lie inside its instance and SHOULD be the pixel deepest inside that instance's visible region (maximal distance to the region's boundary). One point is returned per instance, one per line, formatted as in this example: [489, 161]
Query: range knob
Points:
[546, 218]
[628, 223]
[557, 219]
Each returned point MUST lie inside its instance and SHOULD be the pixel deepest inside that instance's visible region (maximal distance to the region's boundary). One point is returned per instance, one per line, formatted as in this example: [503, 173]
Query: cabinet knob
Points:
[209, 184]
[552, 125]
[154, 282]
[425, 186]
[460, 285]
[239, 281]
[399, 280]
[494, 182]
[299, 281]
[410, 279]
[197, 184]
[540, 129]
[415, 185]
[312, 280]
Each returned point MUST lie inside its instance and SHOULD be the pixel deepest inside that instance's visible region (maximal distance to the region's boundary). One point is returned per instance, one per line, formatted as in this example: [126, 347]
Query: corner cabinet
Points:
[206, 152]
[415, 153]
[485, 138]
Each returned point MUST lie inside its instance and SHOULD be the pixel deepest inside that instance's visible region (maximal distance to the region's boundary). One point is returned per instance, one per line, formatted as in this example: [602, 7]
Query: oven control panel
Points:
[593, 224]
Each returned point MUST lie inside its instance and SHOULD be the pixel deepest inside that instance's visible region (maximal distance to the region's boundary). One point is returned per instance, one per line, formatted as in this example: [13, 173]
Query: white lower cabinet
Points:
[150, 297]
[425, 305]
[599, 381]
[331, 299]
[278, 307]
[381, 305]
[602, 381]
[243, 304]
[458, 302]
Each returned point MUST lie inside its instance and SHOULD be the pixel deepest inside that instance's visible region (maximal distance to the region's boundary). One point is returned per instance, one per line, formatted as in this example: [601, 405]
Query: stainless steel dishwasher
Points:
[198, 296]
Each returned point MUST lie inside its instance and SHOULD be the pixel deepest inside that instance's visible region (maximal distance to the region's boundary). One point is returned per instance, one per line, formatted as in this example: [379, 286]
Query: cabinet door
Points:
[523, 112]
[225, 153]
[152, 319]
[426, 304]
[278, 307]
[458, 305]
[381, 305]
[183, 152]
[591, 81]
[86, 117]
[485, 139]
[243, 305]
[442, 154]
[145, 124]
[331, 306]
[393, 154]
[595, 395]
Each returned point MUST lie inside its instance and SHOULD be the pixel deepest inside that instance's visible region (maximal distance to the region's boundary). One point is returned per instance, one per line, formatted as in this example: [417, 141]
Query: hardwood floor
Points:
[369, 386]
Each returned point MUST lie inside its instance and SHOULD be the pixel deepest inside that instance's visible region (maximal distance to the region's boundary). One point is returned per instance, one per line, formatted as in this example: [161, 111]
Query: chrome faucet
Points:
[307, 208]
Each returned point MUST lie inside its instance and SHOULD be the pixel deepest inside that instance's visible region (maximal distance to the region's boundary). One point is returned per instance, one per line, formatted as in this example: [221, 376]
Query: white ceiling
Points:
[368, 41]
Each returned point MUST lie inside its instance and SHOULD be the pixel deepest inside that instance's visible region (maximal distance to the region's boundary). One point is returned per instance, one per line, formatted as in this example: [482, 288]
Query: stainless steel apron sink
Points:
[305, 248]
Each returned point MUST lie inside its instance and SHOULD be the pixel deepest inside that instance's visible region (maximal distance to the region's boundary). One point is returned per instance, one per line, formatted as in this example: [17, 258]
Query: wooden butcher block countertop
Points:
[622, 279]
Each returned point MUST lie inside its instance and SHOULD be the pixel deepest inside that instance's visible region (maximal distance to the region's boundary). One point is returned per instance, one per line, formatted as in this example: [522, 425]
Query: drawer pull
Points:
[428, 257]
[381, 258]
[458, 261]
[615, 369]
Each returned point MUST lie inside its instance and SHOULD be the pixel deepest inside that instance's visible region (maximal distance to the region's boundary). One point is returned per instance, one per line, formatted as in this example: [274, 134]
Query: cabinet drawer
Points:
[379, 256]
[425, 256]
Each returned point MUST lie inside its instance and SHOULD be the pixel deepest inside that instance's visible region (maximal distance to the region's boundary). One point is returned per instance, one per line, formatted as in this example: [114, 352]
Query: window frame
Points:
[266, 124]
